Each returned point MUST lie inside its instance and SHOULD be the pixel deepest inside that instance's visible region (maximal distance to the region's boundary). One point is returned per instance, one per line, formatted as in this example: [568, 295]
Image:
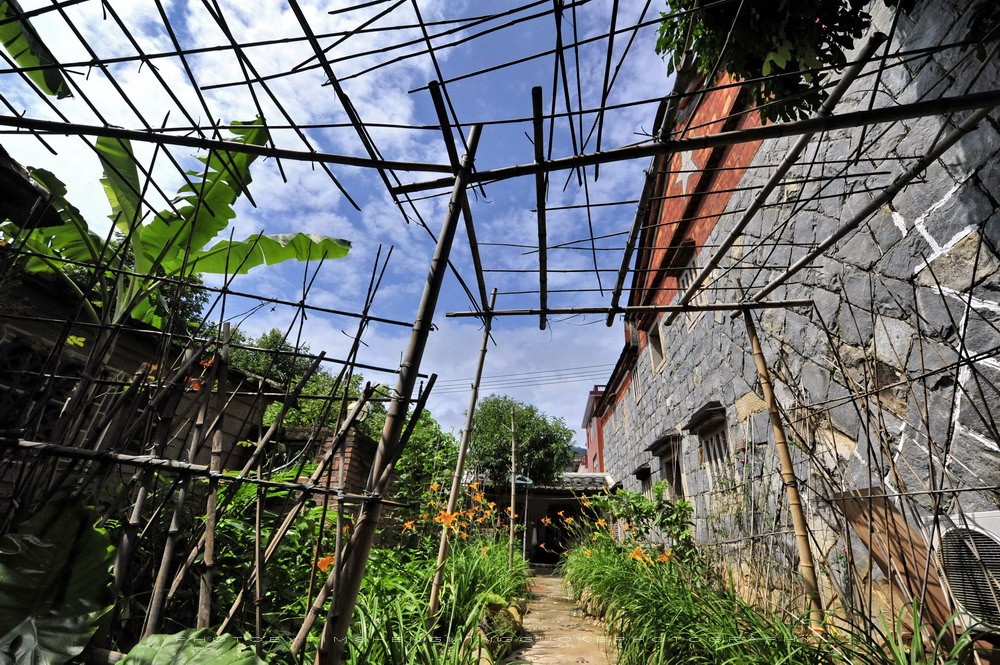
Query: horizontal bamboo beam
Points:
[978, 100]
[711, 307]
[144, 136]
[184, 468]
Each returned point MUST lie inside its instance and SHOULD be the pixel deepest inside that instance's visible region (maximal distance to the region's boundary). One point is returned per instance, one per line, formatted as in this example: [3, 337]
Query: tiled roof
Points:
[581, 482]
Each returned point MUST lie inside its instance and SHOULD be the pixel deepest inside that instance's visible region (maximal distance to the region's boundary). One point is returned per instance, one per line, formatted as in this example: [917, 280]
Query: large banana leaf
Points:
[205, 207]
[71, 240]
[239, 256]
[192, 646]
[55, 585]
[121, 186]
[27, 50]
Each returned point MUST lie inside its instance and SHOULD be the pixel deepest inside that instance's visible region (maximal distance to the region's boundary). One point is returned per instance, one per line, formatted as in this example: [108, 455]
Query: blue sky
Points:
[310, 201]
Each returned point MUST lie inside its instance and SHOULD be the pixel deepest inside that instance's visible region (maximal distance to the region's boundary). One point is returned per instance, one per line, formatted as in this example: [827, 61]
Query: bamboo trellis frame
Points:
[444, 117]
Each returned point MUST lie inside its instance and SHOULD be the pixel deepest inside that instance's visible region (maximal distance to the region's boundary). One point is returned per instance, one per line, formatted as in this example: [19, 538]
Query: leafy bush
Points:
[786, 48]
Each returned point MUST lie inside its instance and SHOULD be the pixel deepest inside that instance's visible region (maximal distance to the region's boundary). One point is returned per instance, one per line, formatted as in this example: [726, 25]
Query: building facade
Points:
[887, 379]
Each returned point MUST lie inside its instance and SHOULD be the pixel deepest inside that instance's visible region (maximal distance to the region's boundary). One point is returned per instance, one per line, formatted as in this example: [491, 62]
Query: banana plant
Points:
[176, 244]
[28, 50]
[54, 584]
[191, 646]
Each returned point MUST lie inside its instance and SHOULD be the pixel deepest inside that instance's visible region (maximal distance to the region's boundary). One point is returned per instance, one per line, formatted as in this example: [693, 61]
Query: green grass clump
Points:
[660, 610]
[390, 626]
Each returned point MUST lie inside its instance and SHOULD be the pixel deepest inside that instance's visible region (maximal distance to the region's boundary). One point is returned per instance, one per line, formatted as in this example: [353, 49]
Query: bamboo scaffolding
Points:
[356, 555]
[846, 81]
[983, 101]
[458, 475]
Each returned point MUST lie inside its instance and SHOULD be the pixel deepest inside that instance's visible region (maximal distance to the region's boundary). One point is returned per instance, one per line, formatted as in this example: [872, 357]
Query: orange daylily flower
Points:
[474, 486]
[435, 487]
[664, 556]
[492, 504]
[638, 554]
[560, 513]
[541, 545]
[568, 520]
[587, 552]
[479, 497]
[447, 519]
[601, 522]
[408, 526]
[325, 563]
[486, 548]
[546, 521]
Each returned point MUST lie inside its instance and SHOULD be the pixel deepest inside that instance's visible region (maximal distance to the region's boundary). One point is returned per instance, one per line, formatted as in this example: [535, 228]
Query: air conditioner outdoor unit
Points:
[967, 548]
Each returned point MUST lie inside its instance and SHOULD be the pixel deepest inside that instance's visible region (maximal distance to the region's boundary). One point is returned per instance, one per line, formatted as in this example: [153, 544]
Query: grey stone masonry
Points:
[891, 379]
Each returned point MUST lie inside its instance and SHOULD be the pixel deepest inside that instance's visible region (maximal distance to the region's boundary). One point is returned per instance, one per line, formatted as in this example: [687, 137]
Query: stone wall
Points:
[869, 379]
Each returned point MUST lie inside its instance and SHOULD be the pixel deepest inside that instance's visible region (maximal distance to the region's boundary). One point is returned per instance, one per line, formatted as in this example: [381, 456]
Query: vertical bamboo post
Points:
[204, 617]
[456, 480]
[356, 555]
[513, 488]
[258, 563]
[806, 567]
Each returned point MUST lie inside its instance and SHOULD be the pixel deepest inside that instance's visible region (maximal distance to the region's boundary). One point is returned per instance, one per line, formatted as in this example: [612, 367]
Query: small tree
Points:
[544, 444]
[788, 48]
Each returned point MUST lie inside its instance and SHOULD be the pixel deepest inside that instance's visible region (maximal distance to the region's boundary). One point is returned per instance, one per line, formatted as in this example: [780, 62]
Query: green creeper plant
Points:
[55, 585]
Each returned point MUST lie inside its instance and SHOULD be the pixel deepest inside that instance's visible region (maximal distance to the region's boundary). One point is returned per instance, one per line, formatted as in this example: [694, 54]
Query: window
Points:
[634, 386]
[714, 447]
[667, 450]
[684, 282]
[655, 343]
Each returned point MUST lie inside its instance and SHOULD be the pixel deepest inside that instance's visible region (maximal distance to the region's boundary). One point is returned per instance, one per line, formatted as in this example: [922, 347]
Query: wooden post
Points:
[806, 567]
[356, 554]
[456, 480]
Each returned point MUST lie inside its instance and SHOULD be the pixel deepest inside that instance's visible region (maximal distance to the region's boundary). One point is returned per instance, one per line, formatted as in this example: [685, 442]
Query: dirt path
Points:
[557, 632]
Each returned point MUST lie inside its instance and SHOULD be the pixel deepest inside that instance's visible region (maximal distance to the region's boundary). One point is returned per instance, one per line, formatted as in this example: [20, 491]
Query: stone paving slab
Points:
[557, 632]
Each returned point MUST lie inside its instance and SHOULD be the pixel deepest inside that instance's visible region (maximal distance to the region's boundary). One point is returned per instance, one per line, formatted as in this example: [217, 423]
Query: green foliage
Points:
[664, 612]
[200, 646]
[642, 516]
[26, 48]
[287, 577]
[544, 444]
[428, 459]
[391, 624]
[54, 584]
[173, 245]
[787, 48]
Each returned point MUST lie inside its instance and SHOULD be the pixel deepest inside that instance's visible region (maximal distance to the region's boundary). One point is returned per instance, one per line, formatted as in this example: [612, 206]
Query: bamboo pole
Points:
[293, 513]
[333, 579]
[806, 566]
[258, 556]
[709, 307]
[146, 136]
[513, 488]
[541, 183]
[338, 623]
[211, 503]
[456, 480]
[976, 100]
[157, 602]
